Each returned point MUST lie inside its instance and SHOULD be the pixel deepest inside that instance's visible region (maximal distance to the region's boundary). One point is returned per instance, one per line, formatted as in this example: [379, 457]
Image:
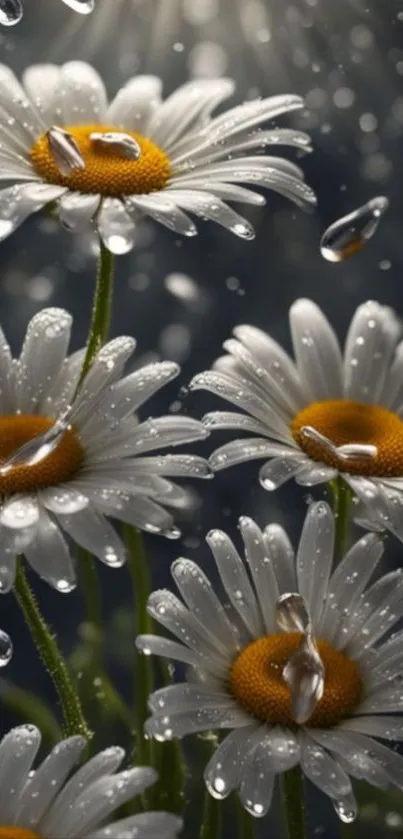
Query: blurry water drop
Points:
[346, 809]
[83, 7]
[6, 648]
[292, 613]
[10, 12]
[349, 235]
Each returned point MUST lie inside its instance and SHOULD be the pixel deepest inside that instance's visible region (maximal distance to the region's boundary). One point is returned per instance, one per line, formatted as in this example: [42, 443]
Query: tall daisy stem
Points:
[101, 308]
[143, 676]
[294, 803]
[212, 818]
[46, 644]
[341, 495]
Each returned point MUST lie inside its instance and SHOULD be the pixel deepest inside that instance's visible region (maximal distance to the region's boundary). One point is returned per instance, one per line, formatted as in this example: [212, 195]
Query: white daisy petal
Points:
[44, 786]
[317, 351]
[262, 571]
[77, 211]
[223, 771]
[355, 760]
[387, 728]
[161, 208]
[20, 201]
[257, 785]
[282, 555]
[50, 557]
[239, 451]
[178, 724]
[135, 103]
[156, 645]
[13, 101]
[369, 346]
[322, 770]
[235, 580]
[82, 94]
[210, 207]
[41, 82]
[17, 753]
[42, 355]
[278, 471]
[146, 825]
[93, 532]
[200, 599]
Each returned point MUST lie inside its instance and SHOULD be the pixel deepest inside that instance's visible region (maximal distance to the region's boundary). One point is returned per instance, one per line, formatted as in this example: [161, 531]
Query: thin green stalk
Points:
[246, 824]
[212, 818]
[294, 803]
[143, 674]
[91, 593]
[101, 309]
[341, 496]
[46, 644]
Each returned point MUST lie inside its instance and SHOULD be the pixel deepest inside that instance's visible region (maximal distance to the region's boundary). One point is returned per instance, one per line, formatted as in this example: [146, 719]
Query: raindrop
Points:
[349, 235]
[11, 12]
[83, 7]
[6, 648]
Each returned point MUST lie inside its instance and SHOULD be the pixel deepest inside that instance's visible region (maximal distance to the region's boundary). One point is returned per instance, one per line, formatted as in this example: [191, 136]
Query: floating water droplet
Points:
[83, 7]
[292, 613]
[117, 141]
[349, 235]
[64, 150]
[11, 12]
[6, 648]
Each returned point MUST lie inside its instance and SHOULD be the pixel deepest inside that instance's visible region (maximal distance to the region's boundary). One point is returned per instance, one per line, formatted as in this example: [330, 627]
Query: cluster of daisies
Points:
[297, 658]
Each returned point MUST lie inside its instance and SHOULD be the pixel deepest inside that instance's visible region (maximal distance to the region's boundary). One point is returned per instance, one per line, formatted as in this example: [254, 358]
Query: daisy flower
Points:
[48, 804]
[315, 695]
[11, 11]
[327, 413]
[110, 165]
[69, 461]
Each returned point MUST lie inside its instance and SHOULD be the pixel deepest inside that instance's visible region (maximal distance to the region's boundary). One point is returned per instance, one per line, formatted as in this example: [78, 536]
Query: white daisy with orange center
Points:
[327, 413]
[297, 660]
[71, 455]
[57, 800]
[109, 165]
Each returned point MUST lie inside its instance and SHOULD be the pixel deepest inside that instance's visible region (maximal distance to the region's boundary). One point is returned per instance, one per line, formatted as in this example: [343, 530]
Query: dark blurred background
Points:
[181, 298]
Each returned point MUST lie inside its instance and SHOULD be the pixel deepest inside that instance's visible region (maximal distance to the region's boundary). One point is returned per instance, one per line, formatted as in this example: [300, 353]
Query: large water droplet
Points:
[6, 648]
[349, 235]
[11, 12]
[118, 142]
[64, 150]
[83, 7]
[346, 809]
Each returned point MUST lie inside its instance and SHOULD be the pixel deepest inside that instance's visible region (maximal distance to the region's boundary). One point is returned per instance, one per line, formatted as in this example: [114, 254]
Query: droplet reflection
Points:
[10, 12]
[349, 235]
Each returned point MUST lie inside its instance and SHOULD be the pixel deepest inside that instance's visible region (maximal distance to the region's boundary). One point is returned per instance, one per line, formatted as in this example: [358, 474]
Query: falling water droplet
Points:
[11, 12]
[83, 7]
[349, 235]
[6, 648]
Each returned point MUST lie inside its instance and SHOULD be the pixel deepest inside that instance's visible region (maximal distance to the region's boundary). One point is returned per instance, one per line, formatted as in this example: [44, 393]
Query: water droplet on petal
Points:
[6, 648]
[65, 586]
[11, 12]
[349, 235]
[346, 809]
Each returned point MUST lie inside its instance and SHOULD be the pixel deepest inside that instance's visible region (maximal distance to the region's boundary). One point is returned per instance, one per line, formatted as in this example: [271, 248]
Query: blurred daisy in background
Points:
[70, 459]
[328, 413]
[315, 694]
[111, 165]
[50, 803]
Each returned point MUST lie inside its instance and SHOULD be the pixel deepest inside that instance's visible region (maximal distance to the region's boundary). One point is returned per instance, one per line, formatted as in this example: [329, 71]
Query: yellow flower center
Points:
[57, 468]
[17, 833]
[106, 172]
[342, 422]
[257, 683]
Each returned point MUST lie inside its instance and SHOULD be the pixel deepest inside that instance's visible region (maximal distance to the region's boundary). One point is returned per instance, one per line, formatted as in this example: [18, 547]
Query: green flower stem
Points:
[246, 823]
[212, 818]
[143, 673]
[101, 309]
[91, 593]
[294, 803]
[46, 644]
[341, 495]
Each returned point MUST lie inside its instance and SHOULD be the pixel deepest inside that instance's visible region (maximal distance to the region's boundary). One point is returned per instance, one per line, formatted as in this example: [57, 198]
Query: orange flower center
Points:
[57, 468]
[257, 683]
[17, 833]
[106, 172]
[342, 422]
